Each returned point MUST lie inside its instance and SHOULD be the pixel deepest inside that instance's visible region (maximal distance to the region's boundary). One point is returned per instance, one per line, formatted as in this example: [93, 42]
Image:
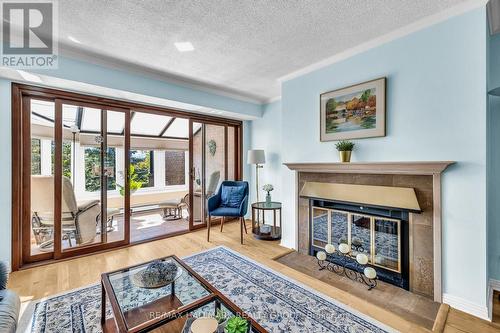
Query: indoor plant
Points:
[268, 188]
[236, 324]
[345, 148]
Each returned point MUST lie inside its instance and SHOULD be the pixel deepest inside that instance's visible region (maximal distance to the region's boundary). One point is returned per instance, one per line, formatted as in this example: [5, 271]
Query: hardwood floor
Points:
[55, 278]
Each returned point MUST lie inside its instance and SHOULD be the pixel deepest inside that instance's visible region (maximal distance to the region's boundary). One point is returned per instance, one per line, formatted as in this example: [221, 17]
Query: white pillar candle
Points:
[370, 273]
[321, 255]
[204, 325]
[344, 248]
[329, 248]
[362, 258]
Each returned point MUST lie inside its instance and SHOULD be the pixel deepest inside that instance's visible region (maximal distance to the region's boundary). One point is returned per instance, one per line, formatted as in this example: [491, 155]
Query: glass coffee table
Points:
[171, 308]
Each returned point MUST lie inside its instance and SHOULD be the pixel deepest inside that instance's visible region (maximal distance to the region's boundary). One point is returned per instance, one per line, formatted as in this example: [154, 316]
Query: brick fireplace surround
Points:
[425, 228]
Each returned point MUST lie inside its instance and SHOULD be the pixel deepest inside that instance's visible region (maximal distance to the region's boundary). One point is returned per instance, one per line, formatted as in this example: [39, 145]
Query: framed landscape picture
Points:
[353, 112]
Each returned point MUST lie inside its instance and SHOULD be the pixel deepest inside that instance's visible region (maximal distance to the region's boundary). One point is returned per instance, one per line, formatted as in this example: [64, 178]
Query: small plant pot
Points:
[345, 156]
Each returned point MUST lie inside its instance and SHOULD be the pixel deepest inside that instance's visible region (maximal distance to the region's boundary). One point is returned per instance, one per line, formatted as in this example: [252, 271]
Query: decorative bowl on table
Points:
[157, 274]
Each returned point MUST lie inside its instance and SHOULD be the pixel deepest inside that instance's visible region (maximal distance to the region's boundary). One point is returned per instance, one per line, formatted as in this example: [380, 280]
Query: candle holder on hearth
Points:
[340, 263]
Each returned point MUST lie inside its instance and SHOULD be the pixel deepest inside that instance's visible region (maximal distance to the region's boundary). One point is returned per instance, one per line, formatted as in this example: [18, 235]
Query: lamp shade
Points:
[256, 156]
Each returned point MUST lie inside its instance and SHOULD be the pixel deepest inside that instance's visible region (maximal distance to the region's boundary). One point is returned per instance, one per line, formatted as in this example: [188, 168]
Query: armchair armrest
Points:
[244, 206]
[213, 202]
[4, 275]
[10, 305]
[85, 205]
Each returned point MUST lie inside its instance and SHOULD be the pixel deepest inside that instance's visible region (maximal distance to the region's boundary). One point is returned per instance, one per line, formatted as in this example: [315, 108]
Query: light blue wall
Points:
[494, 159]
[436, 110]
[81, 71]
[98, 75]
[5, 166]
[266, 134]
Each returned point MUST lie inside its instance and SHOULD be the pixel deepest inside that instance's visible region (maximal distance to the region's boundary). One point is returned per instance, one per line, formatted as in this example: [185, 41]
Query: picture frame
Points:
[353, 112]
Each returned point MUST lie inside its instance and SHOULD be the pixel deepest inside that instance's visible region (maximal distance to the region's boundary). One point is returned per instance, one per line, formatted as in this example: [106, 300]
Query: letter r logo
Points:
[27, 27]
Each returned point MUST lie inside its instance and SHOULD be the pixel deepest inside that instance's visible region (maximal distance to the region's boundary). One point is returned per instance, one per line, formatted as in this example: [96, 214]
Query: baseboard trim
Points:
[467, 306]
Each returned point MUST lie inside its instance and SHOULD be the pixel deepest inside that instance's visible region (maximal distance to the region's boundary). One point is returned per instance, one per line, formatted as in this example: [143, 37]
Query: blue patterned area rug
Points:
[278, 303]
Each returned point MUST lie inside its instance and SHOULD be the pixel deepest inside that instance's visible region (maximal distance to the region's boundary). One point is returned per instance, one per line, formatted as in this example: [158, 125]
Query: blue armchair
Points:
[231, 200]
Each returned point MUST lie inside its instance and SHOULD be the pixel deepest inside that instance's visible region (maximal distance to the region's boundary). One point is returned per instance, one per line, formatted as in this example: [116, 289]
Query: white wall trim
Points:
[466, 306]
[393, 35]
[273, 99]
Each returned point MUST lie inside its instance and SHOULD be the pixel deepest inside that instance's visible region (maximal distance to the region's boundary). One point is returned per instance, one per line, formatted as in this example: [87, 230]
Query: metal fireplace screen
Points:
[380, 234]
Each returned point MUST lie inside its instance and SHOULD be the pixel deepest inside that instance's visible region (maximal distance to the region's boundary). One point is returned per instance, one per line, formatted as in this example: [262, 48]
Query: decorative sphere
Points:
[329, 248]
[370, 272]
[362, 258]
[344, 248]
[321, 255]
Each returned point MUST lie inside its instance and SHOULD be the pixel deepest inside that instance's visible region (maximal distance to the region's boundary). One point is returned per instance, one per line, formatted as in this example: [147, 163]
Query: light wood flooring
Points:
[58, 277]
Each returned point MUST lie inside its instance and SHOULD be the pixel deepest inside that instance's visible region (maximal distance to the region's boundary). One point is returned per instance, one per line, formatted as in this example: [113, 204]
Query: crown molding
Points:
[393, 35]
[108, 61]
[273, 99]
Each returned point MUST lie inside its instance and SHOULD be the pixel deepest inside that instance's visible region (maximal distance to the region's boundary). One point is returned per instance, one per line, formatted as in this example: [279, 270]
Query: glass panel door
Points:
[387, 251]
[38, 232]
[197, 182]
[94, 178]
[215, 158]
[339, 229]
[320, 232]
[360, 235]
[209, 155]
[80, 209]
[159, 143]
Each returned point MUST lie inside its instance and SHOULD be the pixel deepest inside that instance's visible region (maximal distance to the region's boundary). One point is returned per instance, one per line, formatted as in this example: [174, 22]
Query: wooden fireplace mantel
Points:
[425, 168]
[404, 168]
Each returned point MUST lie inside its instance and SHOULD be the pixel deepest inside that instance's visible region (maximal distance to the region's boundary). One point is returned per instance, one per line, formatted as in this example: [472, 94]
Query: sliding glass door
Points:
[91, 174]
[158, 164]
[76, 166]
[213, 150]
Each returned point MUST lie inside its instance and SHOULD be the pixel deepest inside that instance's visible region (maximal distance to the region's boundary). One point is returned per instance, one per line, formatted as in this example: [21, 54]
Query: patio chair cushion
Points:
[172, 203]
[112, 212]
[231, 196]
[83, 205]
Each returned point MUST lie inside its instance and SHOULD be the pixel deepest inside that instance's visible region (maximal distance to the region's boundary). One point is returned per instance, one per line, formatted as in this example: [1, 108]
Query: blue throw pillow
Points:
[232, 196]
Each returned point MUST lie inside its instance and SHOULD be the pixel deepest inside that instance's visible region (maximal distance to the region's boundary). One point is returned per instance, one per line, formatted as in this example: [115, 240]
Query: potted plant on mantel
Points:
[345, 148]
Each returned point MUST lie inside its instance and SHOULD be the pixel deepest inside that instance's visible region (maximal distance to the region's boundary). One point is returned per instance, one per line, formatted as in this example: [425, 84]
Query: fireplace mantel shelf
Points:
[407, 168]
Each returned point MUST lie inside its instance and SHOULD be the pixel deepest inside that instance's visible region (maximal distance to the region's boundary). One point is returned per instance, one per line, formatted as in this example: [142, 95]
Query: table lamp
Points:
[257, 157]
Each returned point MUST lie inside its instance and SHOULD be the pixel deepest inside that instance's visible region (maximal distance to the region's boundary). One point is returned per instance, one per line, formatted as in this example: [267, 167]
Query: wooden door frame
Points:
[21, 148]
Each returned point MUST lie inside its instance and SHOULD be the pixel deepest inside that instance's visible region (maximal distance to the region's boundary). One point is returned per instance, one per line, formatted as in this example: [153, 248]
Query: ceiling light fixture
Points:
[74, 40]
[184, 46]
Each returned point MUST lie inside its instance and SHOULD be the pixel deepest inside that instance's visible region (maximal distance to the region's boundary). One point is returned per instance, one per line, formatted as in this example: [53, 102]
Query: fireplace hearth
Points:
[380, 233]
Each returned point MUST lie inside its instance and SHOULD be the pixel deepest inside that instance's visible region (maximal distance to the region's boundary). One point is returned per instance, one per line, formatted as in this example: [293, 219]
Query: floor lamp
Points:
[257, 157]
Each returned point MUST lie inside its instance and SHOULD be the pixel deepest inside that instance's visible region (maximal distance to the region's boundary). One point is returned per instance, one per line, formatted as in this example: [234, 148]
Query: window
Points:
[66, 158]
[92, 169]
[36, 156]
[142, 167]
[175, 163]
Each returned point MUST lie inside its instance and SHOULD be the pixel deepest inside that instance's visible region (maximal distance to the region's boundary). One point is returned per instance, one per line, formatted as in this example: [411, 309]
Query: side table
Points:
[260, 229]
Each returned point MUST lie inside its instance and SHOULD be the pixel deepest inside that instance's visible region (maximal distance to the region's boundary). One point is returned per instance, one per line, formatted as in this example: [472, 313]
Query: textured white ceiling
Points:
[240, 45]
